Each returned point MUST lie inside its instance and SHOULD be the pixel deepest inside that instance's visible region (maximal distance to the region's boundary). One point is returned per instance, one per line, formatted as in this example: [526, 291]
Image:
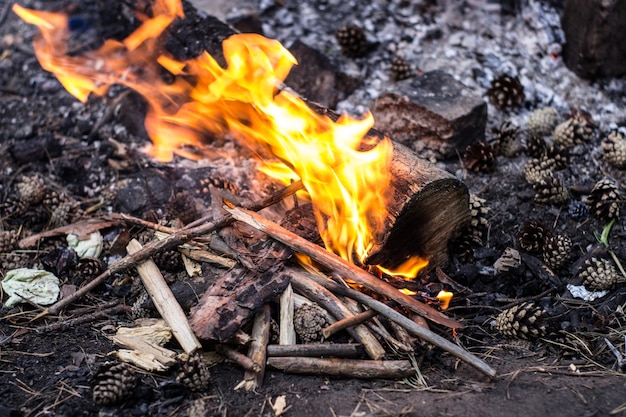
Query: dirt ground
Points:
[45, 131]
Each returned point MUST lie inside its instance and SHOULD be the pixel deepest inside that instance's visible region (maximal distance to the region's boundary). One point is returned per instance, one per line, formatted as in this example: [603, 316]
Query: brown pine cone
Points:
[542, 122]
[614, 149]
[88, 268]
[66, 212]
[480, 157]
[309, 320]
[535, 169]
[536, 147]
[113, 383]
[578, 129]
[533, 235]
[31, 190]
[556, 250]
[183, 207]
[352, 41]
[169, 260]
[479, 223]
[194, 373]
[598, 274]
[508, 140]
[506, 92]
[400, 68]
[550, 190]
[604, 199]
[510, 259]
[523, 321]
[8, 240]
[560, 155]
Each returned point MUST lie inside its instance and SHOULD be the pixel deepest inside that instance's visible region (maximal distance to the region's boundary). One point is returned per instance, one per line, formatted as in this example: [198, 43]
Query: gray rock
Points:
[433, 114]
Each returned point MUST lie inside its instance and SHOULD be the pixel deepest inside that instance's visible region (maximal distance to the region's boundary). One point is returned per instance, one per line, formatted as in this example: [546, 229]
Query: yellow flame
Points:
[347, 177]
[444, 298]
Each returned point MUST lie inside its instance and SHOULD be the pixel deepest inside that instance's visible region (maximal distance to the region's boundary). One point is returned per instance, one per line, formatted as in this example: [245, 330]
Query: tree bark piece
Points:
[345, 368]
[164, 301]
[258, 349]
[316, 349]
[287, 335]
[340, 266]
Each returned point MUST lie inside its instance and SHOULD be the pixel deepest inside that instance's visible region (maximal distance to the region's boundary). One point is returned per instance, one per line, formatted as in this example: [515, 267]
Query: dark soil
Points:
[45, 131]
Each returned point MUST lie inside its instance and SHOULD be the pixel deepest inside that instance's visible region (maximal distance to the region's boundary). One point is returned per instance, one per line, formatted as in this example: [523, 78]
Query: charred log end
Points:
[425, 225]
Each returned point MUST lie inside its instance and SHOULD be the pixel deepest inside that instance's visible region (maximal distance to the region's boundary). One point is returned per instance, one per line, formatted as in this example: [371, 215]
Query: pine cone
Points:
[169, 260]
[542, 122]
[463, 247]
[510, 259]
[506, 92]
[523, 321]
[183, 206]
[535, 169]
[578, 129]
[508, 140]
[533, 235]
[479, 223]
[578, 210]
[614, 149]
[598, 274]
[550, 190]
[352, 41]
[65, 213]
[480, 157]
[400, 68]
[604, 199]
[8, 240]
[194, 373]
[309, 320]
[31, 190]
[536, 147]
[556, 250]
[113, 383]
[87, 268]
[560, 156]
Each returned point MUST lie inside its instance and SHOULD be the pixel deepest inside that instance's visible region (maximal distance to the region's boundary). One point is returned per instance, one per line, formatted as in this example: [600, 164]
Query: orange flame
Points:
[347, 185]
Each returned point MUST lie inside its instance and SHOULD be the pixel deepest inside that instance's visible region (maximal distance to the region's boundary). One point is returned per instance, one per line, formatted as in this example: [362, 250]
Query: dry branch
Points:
[330, 302]
[258, 349]
[238, 357]
[348, 322]
[339, 266]
[346, 368]
[316, 349]
[165, 302]
[412, 327]
[181, 236]
[287, 333]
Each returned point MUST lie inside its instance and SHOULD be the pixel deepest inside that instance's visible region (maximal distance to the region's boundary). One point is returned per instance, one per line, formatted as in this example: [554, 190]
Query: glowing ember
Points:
[348, 186]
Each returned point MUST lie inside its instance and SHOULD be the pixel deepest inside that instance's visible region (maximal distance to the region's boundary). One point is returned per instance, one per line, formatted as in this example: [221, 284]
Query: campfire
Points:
[382, 213]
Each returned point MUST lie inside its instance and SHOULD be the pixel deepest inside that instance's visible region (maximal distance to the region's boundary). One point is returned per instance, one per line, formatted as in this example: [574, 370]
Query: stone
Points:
[595, 44]
[316, 78]
[433, 114]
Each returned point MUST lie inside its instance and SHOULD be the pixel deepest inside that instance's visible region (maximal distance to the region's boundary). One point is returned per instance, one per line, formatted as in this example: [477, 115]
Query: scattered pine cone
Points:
[510, 259]
[598, 274]
[578, 210]
[169, 260]
[556, 250]
[352, 41]
[183, 207]
[550, 189]
[536, 147]
[523, 321]
[536, 169]
[194, 373]
[463, 247]
[576, 130]
[31, 190]
[604, 199]
[400, 68]
[479, 223]
[533, 235]
[8, 240]
[64, 213]
[560, 155]
[309, 320]
[614, 149]
[89, 268]
[480, 157]
[113, 383]
[506, 92]
[542, 122]
[508, 140]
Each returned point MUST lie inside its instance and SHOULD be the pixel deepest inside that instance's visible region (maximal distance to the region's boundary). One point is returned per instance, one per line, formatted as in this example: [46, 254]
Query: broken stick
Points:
[346, 368]
[165, 302]
[339, 265]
